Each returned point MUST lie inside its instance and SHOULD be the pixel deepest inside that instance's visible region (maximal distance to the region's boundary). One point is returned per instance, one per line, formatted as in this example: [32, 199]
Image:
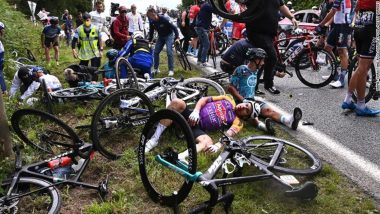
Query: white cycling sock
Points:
[348, 98]
[183, 155]
[360, 104]
[287, 120]
[160, 128]
[262, 126]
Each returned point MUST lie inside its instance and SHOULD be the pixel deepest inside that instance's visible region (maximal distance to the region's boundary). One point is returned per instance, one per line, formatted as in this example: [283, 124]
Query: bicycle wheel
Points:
[322, 65]
[370, 84]
[47, 200]
[131, 79]
[117, 120]
[44, 132]
[180, 57]
[213, 52]
[160, 181]
[221, 42]
[77, 92]
[206, 88]
[24, 61]
[112, 88]
[292, 159]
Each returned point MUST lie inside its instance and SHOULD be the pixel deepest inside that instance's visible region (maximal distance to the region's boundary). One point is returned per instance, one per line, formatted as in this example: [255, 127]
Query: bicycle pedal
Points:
[103, 188]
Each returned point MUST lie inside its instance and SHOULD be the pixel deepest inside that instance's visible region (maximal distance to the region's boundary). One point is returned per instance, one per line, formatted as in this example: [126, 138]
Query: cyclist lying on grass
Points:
[210, 114]
[80, 73]
[242, 86]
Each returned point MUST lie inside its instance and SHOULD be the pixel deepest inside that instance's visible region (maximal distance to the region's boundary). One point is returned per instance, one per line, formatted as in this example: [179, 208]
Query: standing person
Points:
[365, 39]
[119, 31]
[261, 32]
[193, 13]
[2, 54]
[79, 20]
[184, 27]
[98, 18]
[69, 29]
[202, 26]
[167, 33]
[65, 15]
[135, 21]
[50, 38]
[165, 13]
[90, 46]
[234, 7]
[338, 36]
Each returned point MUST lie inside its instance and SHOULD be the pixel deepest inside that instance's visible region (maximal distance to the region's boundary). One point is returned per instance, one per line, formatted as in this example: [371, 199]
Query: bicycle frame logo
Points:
[377, 58]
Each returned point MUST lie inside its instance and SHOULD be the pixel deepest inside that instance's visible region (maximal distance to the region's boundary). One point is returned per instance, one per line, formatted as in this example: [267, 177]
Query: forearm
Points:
[74, 43]
[286, 12]
[232, 90]
[328, 17]
[202, 102]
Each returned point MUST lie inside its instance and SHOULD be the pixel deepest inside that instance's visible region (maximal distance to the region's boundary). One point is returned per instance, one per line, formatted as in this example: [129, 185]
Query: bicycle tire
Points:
[153, 185]
[260, 153]
[26, 183]
[218, 88]
[181, 60]
[221, 42]
[77, 92]
[30, 55]
[111, 122]
[371, 81]
[132, 79]
[329, 69]
[47, 98]
[46, 133]
[112, 88]
[24, 61]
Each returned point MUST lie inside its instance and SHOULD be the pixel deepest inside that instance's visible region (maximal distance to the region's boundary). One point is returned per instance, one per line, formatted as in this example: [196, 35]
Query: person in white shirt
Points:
[25, 80]
[98, 18]
[135, 21]
[52, 82]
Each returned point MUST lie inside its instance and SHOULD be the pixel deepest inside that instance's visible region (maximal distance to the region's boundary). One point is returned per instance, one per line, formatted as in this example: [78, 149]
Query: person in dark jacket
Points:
[120, 32]
[167, 33]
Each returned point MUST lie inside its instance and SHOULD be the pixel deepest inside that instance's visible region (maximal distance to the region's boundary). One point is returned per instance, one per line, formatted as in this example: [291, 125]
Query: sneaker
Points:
[272, 90]
[350, 106]
[150, 144]
[204, 65]
[258, 92]
[337, 84]
[297, 116]
[366, 112]
[171, 73]
[269, 126]
[156, 71]
[147, 76]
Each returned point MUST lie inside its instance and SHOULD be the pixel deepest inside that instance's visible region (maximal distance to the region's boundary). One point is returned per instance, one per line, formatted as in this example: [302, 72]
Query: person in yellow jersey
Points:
[87, 38]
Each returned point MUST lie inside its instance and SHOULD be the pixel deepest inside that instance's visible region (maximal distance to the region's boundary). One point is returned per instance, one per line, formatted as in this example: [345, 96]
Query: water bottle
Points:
[59, 162]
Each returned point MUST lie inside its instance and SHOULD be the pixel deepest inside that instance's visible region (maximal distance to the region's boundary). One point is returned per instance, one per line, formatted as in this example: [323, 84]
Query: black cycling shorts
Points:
[365, 40]
[339, 35]
[51, 42]
[226, 67]
[193, 33]
[197, 131]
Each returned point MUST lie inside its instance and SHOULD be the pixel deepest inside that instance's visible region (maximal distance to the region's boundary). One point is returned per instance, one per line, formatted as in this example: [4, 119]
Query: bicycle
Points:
[120, 115]
[169, 180]
[311, 63]
[212, 50]
[34, 186]
[372, 84]
[182, 58]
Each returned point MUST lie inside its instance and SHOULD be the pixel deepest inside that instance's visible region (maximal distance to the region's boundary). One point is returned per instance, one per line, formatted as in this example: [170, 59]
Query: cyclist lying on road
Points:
[242, 86]
[210, 114]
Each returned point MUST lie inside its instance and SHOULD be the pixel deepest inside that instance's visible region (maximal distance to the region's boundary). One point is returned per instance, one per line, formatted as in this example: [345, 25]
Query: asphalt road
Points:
[350, 143]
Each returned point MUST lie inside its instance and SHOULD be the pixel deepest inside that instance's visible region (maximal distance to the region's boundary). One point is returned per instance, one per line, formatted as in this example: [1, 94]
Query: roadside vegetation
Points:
[127, 195]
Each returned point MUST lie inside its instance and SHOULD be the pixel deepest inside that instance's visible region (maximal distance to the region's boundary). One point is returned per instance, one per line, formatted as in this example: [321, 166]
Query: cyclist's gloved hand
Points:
[194, 117]
[212, 149]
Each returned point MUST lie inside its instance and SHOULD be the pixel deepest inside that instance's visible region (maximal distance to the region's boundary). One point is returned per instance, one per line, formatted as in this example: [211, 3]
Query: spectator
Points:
[79, 20]
[135, 21]
[90, 46]
[50, 38]
[193, 13]
[184, 26]
[69, 29]
[234, 7]
[2, 54]
[165, 13]
[165, 30]
[140, 55]
[202, 25]
[261, 32]
[120, 29]
[98, 18]
[25, 80]
[65, 15]
[289, 4]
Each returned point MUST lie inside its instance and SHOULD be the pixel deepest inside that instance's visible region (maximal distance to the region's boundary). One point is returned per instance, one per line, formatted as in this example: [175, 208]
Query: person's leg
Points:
[157, 50]
[270, 63]
[200, 36]
[56, 54]
[169, 50]
[290, 121]
[47, 54]
[95, 62]
[84, 62]
[186, 39]
[206, 45]
[202, 142]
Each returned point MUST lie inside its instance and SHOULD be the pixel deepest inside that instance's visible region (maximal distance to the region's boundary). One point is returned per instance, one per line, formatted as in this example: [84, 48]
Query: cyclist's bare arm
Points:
[202, 102]
[328, 17]
[286, 12]
[235, 93]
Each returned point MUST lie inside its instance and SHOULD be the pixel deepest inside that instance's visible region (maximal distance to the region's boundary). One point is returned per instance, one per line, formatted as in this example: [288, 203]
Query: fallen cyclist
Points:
[242, 86]
[80, 73]
[210, 114]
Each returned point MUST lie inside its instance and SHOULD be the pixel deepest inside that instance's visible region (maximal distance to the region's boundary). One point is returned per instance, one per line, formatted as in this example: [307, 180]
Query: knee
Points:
[266, 112]
[204, 141]
[177, 105]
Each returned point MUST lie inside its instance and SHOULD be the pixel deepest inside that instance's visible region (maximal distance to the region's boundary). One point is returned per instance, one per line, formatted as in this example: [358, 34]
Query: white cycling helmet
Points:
[2, 26]
[138, 34]
[256, 108]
